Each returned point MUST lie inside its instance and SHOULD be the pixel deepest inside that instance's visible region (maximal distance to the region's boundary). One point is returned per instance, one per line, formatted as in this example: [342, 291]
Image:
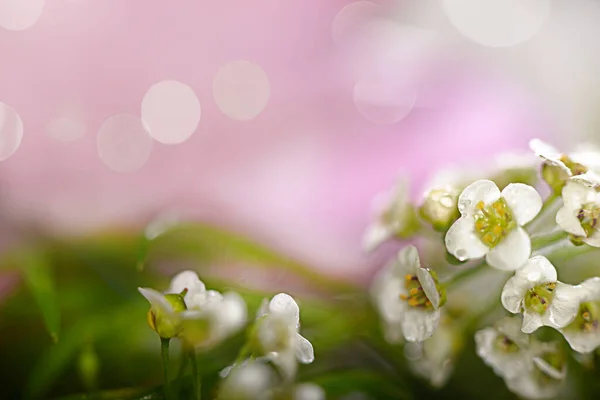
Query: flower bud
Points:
[440, 209]
[555, 176]
[163, 317]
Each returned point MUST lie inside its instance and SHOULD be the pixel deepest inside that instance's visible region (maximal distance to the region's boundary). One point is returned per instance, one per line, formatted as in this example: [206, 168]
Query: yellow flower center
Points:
[588, 217]
[538, 298]
[493, 222]
[416, 296]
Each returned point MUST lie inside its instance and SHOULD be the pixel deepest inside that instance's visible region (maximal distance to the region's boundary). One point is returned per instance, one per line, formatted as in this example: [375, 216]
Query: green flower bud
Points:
[167, 323]
[440, 209]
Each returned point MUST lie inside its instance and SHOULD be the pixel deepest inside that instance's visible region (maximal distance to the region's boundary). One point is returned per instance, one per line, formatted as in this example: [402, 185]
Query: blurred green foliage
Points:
[84, 292]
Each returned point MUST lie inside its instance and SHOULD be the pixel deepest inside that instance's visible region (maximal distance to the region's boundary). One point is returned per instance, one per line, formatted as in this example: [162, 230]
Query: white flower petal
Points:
[375, 235]
[263, 309]
[531, 321]
[234, 313]
[529, 386]
[481, 190]
[512, 252]
[538, 270]
[564, 306]
[523, 200]
[589, 289]
[419, 325]
[506, 365]
[513, 292]
[566, 218]
[549, 369]
[594, 239]
[462, 241]
[285, 304]
[543, 149]
[308, 391]
[392, 331]
[186, 280]
[389, 303]
[429, 287]
[511, 327]
[589, 179]
[157, 300]
[286, 363]
[575, 193]
[304, 350]
[582, 342]
[407, 262]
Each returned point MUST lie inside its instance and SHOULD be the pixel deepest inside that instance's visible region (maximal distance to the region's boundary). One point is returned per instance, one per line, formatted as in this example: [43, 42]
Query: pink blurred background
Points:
[451, 81]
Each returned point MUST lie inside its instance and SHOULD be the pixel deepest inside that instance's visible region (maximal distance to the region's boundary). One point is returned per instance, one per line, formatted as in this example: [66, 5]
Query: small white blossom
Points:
[491, 224]
[249, 381]
[408, 297]
[308, 391]
[583, 334]
[504, 347]
[545, 377]
[187, 309]
[395, 216]
[580, 213]
[434, 358]
[165, 315]
[278, 337]
[535, 292]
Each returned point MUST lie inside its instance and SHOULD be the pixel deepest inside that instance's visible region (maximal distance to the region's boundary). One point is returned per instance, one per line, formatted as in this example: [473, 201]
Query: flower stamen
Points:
[493, 222]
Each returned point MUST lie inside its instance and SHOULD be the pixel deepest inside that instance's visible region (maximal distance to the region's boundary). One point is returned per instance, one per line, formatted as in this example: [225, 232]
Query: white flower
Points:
[213, 317]
[504, 347]
[408, 297]
[395, 216]
[535, 292]
[165, 313]
[546, 376]
[434, 358]
[581, 210]
[278, 337]
[308, 391]
[187, 309]
[583, 334]
[250, 381]
[491, 224]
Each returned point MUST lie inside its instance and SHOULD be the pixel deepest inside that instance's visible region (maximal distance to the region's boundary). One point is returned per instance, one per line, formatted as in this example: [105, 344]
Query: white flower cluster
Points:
[481, 221]
[187, 310]
[203, 318]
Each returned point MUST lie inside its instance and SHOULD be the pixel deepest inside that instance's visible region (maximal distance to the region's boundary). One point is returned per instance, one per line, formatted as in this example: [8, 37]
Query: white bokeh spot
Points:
[11, 131]
[66, 129]
[241, 90]
[383, 103]
[351, 17]
[124, 143]
[497, 23]
[19, 15]
[172, 111]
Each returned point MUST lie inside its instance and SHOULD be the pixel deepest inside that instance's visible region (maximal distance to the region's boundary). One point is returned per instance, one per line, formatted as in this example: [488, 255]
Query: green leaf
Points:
[38, 277]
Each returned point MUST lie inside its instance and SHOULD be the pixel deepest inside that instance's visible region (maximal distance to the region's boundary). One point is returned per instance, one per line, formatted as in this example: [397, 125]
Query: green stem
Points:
[548, 210]
[465, 273]
[195, 375]
[540, 241]
[164, 352]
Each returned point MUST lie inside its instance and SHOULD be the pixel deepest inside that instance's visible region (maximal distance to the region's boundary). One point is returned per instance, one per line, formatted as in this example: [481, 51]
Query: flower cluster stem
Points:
[195, 375]
[164, 352]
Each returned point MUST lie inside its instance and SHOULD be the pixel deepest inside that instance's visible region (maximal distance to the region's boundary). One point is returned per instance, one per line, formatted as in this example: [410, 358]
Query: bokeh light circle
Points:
[19, 15]
[241, 90]
[172, 111]
[382, 103]
[351, 17]
[124, 143]
[497, 23]
[11, 131]
[65, 129]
